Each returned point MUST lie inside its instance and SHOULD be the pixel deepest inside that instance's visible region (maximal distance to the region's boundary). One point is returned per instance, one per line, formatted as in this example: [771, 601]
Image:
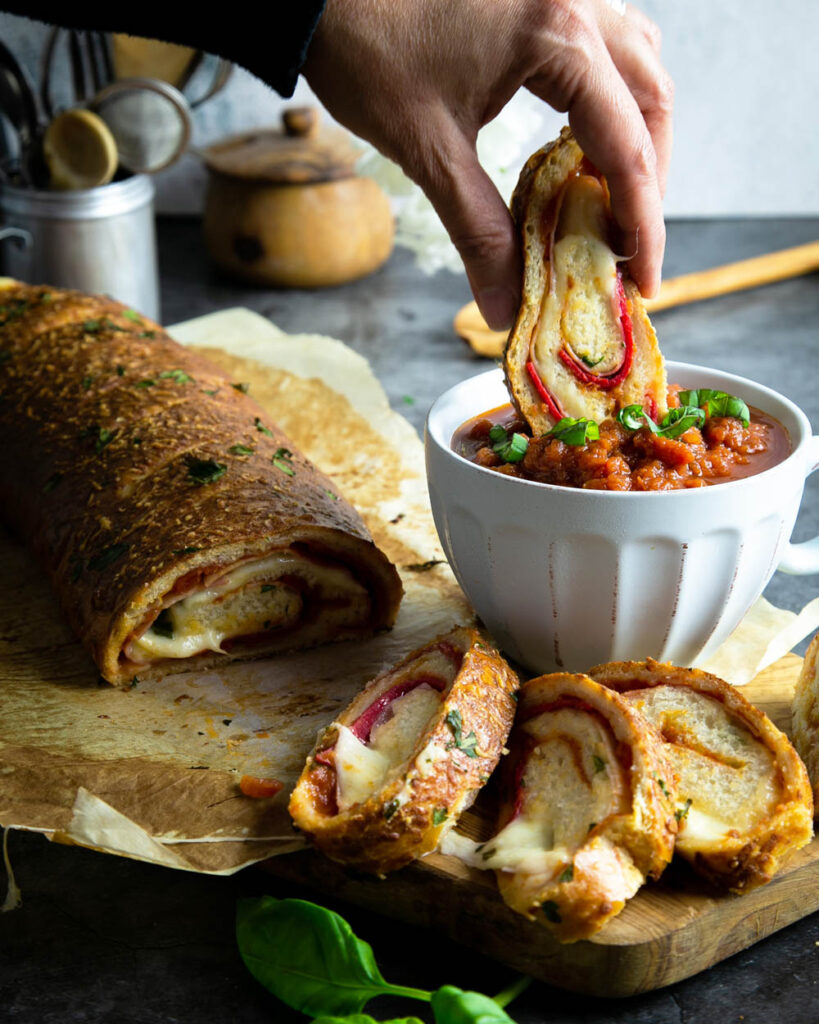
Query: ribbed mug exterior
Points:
[566, 578]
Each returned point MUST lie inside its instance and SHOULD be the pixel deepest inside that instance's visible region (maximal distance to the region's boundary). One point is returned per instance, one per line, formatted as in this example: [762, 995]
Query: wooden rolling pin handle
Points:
[734, 277]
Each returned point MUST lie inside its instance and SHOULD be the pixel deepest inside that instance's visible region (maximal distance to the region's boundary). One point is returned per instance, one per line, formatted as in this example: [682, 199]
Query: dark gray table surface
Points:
[104, 939]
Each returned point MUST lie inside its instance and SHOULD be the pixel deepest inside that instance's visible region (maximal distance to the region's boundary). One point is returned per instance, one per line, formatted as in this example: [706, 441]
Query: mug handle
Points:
[802, 559]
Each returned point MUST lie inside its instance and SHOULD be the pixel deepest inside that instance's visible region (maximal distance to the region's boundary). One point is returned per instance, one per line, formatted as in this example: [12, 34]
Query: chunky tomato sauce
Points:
[633, 460]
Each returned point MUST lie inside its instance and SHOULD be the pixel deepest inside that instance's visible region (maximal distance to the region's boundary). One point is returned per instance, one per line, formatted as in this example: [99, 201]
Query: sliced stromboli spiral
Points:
[391, 775]
[178, 524]
[744, 798]
[587, 810]
[805, 721]
[582, 344]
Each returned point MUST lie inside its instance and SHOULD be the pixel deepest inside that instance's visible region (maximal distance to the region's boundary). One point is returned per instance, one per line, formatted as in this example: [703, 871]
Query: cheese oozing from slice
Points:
[248, 599]
[572, 782]
[580, 308]
[363, 768]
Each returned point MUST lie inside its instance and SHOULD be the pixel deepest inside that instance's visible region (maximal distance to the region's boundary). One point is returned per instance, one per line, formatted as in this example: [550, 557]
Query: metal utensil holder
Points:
[99, 240]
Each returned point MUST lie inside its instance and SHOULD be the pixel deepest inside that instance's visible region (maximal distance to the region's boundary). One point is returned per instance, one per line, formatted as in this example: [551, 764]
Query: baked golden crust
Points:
[745, 798]
[805, 720]
[580, 752]
[538, 340]
[132, 466]
[421, 796]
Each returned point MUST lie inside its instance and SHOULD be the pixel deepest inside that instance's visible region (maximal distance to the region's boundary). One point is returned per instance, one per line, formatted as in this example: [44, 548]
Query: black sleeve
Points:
[269, 40]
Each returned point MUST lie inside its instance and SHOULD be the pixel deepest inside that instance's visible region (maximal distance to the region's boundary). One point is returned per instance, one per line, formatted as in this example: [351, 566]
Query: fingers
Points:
[478, 222]
[612, 130]
[634, 43]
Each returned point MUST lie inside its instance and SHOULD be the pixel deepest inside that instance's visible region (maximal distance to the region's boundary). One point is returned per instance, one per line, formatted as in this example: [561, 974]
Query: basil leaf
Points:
[163, 624]
[717, 403]
[632, 417]
[509, 449]
[677, 421]
[107, 557]
[575, 431]
[309, 957]
[204, 471]
[364, 1018]
[452, 1005]
[468, 744]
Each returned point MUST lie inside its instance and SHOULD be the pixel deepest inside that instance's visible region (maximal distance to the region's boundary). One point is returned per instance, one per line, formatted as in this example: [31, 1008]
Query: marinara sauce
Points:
[721, 449]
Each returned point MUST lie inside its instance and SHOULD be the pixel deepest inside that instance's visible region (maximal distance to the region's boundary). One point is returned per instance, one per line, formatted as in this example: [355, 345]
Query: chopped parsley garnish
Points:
[257, 423]
[5, 355]
[663, 787]
[682, 812]
[147, 334]
[132, 315]
[551, 911]
[330, 494]
[408, 400]
[509, 449]
[717, 403]
[599, 764]
[390, 809]
[103, 439]
[467, 744]
[281, 459]
[574, 431]
[147, 383]
[240, 449]
[208, 391]
[86, 383]
[567, 874]
[204, 471]
[104, 323]
[242, 386]
[486, 854]
[267, 587]
[120, 370]
[107, 557]
[186, 551]
[439, 815]
[424, 566]
[163, 624]
[177, 376]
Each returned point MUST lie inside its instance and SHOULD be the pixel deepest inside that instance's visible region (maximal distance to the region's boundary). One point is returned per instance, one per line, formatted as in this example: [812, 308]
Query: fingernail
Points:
[499, 307]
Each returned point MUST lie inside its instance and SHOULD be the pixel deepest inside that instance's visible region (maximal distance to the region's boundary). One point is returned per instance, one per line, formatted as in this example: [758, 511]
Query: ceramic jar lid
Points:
[302, 151]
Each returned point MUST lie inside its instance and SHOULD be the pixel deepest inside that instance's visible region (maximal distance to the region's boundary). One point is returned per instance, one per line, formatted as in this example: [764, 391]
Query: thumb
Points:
[480, 226]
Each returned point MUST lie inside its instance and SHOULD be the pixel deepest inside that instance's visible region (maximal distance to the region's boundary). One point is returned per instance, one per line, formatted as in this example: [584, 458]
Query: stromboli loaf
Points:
[582, 344]
[391, 775]
[745, 800]
[174, 518]
[588, 807]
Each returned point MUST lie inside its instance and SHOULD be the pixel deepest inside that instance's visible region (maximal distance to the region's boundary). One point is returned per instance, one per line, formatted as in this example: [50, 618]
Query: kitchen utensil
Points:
[149, 120]
[285, 207]
[90, 66]
[97, 240]
[18, 102]
[79, 150]
[470, 325]
[135, 57]
[565, 578]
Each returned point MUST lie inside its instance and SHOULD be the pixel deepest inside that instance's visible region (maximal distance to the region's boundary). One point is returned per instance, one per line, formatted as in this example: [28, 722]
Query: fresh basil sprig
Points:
[510, 449]
[717, 403]
[674, 423]
[311, 959]
[575, 431]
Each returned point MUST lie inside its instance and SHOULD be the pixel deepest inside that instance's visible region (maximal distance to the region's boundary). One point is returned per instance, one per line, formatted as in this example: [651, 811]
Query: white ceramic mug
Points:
[566, 578]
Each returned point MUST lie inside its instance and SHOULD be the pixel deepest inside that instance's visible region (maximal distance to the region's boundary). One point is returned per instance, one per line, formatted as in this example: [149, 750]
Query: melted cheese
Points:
[234, 605]
[699, 829]
[581, 301]
[362, 768]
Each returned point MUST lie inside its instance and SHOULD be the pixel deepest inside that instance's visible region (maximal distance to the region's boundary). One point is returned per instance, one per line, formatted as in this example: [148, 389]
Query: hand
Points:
[419, 78]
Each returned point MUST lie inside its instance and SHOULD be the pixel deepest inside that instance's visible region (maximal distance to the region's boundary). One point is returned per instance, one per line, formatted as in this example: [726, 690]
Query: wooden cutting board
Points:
[669, 931]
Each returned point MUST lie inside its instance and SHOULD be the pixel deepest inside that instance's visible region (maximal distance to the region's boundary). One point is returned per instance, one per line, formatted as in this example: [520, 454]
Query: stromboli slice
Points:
[391, 775]
[177, 523]
[582, 344]
[744, 800]
[805, 721]
[588, 808]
